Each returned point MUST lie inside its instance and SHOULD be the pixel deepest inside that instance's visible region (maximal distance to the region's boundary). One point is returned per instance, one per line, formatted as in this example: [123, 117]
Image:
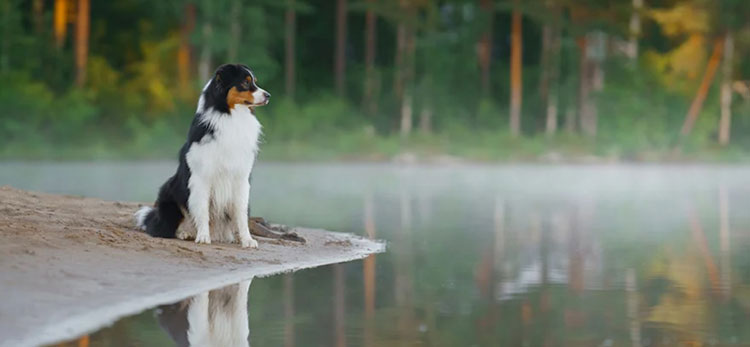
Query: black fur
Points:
[166, 216]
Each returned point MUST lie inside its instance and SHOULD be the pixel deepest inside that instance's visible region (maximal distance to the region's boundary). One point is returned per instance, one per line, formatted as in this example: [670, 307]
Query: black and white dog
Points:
[212, 185]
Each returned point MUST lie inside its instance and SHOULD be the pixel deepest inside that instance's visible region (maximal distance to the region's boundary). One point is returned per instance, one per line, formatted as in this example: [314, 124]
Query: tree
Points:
[290, 31]
[234, 30]
[700, 96]
[5, 36]
[589, 21]
[184, 52]
[403, 81]
[60, 22]
[635, 30]
[340, 49]
[406, 48]
[205, 62]
[549, 83]
[37, 8]
[732, 18]
[725, 122]
[592, 51]
[82, 41]
[484, 46]
[370, 46]
[515, 72]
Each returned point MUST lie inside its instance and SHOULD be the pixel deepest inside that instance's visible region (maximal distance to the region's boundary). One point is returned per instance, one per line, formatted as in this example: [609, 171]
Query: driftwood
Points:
[261, 228]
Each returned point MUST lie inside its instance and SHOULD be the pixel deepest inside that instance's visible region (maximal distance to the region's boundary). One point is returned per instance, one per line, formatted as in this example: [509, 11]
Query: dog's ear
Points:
[218, 81]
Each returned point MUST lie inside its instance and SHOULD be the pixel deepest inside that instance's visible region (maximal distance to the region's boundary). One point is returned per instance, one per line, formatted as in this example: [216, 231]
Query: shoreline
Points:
[70, 265]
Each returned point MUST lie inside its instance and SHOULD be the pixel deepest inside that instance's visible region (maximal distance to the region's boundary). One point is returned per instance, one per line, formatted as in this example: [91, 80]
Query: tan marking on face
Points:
[237, 97]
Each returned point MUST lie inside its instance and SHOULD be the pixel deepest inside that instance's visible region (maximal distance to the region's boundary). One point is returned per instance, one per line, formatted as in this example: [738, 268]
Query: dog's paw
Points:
[201, 238]
[249, 242]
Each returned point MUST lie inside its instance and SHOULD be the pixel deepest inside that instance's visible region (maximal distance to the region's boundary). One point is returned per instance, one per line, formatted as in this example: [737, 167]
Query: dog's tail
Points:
[159, 221]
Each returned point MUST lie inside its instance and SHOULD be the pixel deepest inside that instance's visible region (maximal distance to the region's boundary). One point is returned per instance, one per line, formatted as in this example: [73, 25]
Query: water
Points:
[478, 255]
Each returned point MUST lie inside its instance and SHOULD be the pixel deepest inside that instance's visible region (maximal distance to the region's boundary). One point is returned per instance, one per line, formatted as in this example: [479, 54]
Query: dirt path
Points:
[69, 265]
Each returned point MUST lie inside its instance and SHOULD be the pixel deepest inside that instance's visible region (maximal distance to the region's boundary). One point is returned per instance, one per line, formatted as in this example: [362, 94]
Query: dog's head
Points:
[232, 86]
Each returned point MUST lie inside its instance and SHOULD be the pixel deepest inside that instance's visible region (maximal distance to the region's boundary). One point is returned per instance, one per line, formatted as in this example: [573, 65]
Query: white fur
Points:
[213, 323]
[220, 167]
[140, 217]
[202, 100]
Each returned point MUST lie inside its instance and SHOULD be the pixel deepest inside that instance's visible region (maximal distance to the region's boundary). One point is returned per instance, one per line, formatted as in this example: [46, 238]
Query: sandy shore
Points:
[69, 265]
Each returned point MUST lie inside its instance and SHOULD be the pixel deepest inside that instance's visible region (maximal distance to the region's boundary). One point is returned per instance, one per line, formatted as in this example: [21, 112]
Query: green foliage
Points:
[133, 103]
[318, 118]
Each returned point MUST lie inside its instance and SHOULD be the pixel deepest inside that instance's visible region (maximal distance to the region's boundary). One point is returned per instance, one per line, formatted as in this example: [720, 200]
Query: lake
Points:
[478, 255]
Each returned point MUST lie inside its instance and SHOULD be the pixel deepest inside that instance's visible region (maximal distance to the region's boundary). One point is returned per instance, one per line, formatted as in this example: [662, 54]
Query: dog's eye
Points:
[246, 85]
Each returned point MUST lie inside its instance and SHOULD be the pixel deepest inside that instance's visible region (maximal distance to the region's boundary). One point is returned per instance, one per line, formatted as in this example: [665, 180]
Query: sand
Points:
[70, 265]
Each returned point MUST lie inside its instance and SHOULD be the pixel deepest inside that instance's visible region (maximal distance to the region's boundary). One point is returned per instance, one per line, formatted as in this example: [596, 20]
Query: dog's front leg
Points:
[198, 205]
[240, 215]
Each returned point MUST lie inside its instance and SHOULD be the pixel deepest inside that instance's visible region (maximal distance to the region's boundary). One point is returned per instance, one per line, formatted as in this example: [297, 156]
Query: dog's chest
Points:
[232, 148]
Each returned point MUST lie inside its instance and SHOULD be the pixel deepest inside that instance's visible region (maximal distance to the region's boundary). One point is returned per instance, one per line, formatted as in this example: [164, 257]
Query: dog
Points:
[214, 319]
[211, 187]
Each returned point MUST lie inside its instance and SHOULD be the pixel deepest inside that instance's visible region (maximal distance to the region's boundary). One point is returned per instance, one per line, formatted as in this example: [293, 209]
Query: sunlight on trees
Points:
[447, 68]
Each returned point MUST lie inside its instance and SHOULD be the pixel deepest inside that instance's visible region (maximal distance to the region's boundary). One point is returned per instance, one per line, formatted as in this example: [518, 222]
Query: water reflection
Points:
[289, 338]
[217, 318]
[368, 273]
[487, 256]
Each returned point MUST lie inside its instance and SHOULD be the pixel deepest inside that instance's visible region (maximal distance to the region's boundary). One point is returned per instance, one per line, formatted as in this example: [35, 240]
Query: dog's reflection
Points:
[213, 319]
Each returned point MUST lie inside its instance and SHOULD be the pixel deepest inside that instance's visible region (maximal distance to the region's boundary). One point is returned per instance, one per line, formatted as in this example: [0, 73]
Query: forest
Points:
[483, 80]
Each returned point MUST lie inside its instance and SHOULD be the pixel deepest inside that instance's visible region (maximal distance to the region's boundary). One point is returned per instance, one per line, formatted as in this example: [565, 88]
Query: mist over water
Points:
[480, 254]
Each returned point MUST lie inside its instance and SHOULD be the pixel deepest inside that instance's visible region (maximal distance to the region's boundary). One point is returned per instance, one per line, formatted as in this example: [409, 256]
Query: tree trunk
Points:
[484, 47]
[425, 119]
[5, 44]
[700, 96]
[398, 79]
[369, 87]
[204, 66]
[584, 86]
[340, 50]
[635, 30]
[82, 41]
[234, 31]
[184, 51]
[597, 49]
[544, 62]
[570, 119]
[725, 122]
[591, 79]
[60, 22]
[37, 13]
[290, 29]
[553, 75]
[408, 76]
[406, 114]
[515, 73]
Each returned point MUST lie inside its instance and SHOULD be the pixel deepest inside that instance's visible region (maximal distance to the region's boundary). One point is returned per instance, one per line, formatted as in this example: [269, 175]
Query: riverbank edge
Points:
[49, 240]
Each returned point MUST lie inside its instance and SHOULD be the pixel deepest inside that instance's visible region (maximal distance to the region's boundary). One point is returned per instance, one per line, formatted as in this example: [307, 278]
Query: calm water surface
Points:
[478, 255]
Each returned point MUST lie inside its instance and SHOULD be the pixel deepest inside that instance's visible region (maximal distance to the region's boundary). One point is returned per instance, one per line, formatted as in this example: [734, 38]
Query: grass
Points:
[477, 146]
